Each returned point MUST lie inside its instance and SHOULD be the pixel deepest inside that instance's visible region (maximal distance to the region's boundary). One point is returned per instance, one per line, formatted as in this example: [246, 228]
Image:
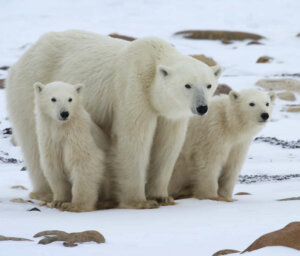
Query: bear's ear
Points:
[217, 70]
[79, 88]
[234, 95]
[163, 70]
[38, 87]
[272, 96]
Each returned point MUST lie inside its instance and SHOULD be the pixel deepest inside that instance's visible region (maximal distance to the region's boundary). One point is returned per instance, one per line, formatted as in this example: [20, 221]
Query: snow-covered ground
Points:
[191, 227]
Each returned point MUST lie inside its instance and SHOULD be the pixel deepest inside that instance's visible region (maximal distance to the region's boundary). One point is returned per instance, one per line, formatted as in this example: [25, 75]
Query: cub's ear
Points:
[233, 95]
[272, 96]
[38, 87]
[79, 88]
[217, 70]
[163, 70]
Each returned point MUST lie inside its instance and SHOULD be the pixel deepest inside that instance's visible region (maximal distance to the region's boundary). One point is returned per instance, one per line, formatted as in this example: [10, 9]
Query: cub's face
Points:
[254, 106]
[184, 88]
[58, 100]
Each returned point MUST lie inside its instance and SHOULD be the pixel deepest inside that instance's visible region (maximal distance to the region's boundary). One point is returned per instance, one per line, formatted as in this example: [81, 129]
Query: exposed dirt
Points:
[19, 187]
[2, 83]
[242, 194]
[222, 35]
[70, 239]
[289, 199]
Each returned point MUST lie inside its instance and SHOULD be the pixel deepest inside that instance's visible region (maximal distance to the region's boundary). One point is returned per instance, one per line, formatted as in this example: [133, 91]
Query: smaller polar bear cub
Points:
[70, 146]
[216, 145]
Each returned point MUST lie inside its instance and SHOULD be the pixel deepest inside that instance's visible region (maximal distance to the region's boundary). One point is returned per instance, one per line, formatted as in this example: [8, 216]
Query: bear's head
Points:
[183, 88]
[58, 100]
[253, 107]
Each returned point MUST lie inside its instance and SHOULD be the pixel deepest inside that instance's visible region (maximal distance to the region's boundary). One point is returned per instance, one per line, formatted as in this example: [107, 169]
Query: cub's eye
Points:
[53, 99]
[208, 86]
[188, 86]
[267, 104]
[251, 104]
[70, 99]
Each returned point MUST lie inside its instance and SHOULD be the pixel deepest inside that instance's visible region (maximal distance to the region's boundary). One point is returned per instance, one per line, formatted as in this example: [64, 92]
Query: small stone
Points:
[24, 168]
[288, 96]
[4, 68]
[34, 209]
[19, 187]
[288, 84]
[242, 194]
[264, 59]
[126, 38]
[254, 42]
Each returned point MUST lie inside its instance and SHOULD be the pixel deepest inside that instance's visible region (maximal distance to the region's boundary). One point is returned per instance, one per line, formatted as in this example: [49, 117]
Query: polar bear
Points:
[216, 145]
[140, 93]
[69, 145]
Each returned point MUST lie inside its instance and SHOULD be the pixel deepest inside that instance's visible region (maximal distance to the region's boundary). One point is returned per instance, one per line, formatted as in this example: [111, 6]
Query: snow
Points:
[191, 226]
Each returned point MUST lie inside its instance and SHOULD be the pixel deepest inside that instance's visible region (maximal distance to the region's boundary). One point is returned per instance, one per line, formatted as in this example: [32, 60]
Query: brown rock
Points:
[127, 38]
[264, 59]
[288, 96]
[2, 83]
[7, 238]
[298, 35]
[207, 60]
[293, 109]
[222, 89]
[289, 236]
[221, 35]
[70, 239]
[20, 200]
[19, 187]
[288, 84]
[242, 194]
[225, 252]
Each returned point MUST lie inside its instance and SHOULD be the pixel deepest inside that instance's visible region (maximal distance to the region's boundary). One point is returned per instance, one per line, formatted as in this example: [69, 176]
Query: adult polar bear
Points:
[141, 94]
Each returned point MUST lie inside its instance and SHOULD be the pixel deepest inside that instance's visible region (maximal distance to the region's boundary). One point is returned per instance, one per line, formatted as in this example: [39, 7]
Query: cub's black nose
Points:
[264, 116]
[64, 115]
[202, 109]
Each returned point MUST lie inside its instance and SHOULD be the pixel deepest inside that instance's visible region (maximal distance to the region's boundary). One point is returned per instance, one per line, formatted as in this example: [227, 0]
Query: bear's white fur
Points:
[141, 93]
[69, 145]
[216, 145]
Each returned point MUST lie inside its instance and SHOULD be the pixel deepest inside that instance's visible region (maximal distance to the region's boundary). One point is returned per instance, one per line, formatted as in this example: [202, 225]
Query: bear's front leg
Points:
[132, 139]
[167, 144]
[232, 170]
[59, 185]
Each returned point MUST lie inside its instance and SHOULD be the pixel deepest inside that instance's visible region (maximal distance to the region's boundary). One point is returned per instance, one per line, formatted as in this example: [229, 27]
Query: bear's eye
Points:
[188, 86]
[70, 99]
[208, 86]
[251, 104]
[53, 99]
[267, 104]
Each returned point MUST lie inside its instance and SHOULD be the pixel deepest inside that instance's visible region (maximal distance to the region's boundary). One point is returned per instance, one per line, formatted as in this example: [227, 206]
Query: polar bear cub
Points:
[216, 145]
[70, 146]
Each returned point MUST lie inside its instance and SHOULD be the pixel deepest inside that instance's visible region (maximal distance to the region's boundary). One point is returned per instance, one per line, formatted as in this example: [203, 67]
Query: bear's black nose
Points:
[64, 115]
[202, 109]
[264, 116]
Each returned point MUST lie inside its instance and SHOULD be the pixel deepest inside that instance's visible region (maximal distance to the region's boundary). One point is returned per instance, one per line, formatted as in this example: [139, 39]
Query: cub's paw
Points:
[164, 200]
[43, 196]
[75, 207]
[149, 204]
